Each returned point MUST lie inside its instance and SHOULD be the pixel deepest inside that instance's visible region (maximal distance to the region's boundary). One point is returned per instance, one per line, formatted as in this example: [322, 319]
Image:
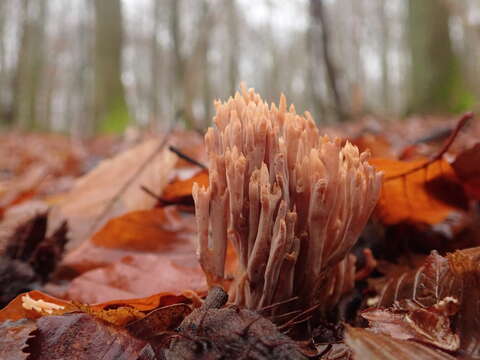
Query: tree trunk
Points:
[155, 63]
[436, 80]
[30, 63]
[111, 111]
[318, 13]
[233, 39]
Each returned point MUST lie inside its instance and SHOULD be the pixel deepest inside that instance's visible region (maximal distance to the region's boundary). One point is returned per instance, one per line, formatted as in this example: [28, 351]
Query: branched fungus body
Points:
[291, 202]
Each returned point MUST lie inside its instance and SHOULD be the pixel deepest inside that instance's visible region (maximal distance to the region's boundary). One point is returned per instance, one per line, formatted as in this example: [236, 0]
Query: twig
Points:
[461, 123]
[186, 157]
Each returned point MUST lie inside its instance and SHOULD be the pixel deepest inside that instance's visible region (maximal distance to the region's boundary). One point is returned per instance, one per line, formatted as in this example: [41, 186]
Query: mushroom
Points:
[292, 204]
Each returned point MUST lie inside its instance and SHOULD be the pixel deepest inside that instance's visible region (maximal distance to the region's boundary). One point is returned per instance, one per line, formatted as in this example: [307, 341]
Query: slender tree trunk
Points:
[30, 63]
[318, 13]
[436, 80]
[233, 39]
[384, 51]
[111, 111]
[155, 63]
[180, 110]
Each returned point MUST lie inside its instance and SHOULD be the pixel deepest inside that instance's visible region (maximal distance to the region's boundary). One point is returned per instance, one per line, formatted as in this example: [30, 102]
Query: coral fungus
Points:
[291, 202]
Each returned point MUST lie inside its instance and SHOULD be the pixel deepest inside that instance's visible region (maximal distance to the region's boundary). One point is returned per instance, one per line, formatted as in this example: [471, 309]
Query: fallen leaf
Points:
[156, 230]
[466, 168]
[429, 325]
[427, 285]
[15, 311]
[138, 276]
[99, 196]
[180, 191]
[27, 257]
[367, 345]
[456, 275]
[13, 339]
[159, 321]
[162, 231]
[417, 193]
[81, 336]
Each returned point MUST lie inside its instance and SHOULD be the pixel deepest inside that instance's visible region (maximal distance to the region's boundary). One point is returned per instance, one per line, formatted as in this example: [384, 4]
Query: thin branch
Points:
[186, 157]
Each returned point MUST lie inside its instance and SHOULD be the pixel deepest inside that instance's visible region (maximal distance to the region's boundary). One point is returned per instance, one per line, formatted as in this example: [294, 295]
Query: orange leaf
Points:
[144, 230]
[418, 191]
[180, 191]
[160, 230]
[15, 311]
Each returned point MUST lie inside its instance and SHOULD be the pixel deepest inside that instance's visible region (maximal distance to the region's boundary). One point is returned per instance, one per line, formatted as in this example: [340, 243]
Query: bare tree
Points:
[437, 84]
[317, 11]
[155, 63]
[30, 62]
[111, 112]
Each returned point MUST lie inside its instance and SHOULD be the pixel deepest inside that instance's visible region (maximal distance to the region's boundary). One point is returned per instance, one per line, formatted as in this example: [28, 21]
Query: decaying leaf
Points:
[16, 310]
[98, 197]
[80, 336]
[408, 321]
[159, 321]
[180, 191]
[366, 344]
[13, 338]
[416, 193]
[466, 168]
[138, 276]
[27, 256]
[427, 285]
[457, 275]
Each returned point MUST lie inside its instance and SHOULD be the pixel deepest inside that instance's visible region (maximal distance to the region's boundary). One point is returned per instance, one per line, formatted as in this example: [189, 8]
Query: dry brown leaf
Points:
[15, 311]
[367, 345]
[457, 275]
[159, 320]
[138, 276]
[93, 200]
[466, 166]
[180, 191]
[418, 191]
[80, 336]
[13, 339]
[408, 321]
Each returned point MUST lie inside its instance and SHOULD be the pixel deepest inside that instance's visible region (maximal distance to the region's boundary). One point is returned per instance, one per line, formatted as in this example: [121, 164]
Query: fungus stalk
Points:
[291, 202]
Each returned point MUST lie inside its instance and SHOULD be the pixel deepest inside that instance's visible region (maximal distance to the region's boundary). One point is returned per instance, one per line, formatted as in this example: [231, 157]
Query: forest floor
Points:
[104, 232]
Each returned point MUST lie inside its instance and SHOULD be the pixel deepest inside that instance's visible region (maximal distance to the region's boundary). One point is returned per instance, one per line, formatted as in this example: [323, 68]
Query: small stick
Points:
[268, 307]
[186, 157]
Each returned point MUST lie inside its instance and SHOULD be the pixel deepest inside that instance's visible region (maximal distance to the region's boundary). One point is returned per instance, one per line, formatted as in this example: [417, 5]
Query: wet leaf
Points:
[98, 196]
[138, 276]
[409, 321]
[456, 275]
[466, 168]
[180, 191]
[159, 321]
[162, 231]
[367, 345]
[15, 311]
[414, 192]
[13, 339]
[80, 336]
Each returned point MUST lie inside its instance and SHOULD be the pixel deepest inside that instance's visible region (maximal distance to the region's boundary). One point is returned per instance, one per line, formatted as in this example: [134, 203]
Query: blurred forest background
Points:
[84, 66]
